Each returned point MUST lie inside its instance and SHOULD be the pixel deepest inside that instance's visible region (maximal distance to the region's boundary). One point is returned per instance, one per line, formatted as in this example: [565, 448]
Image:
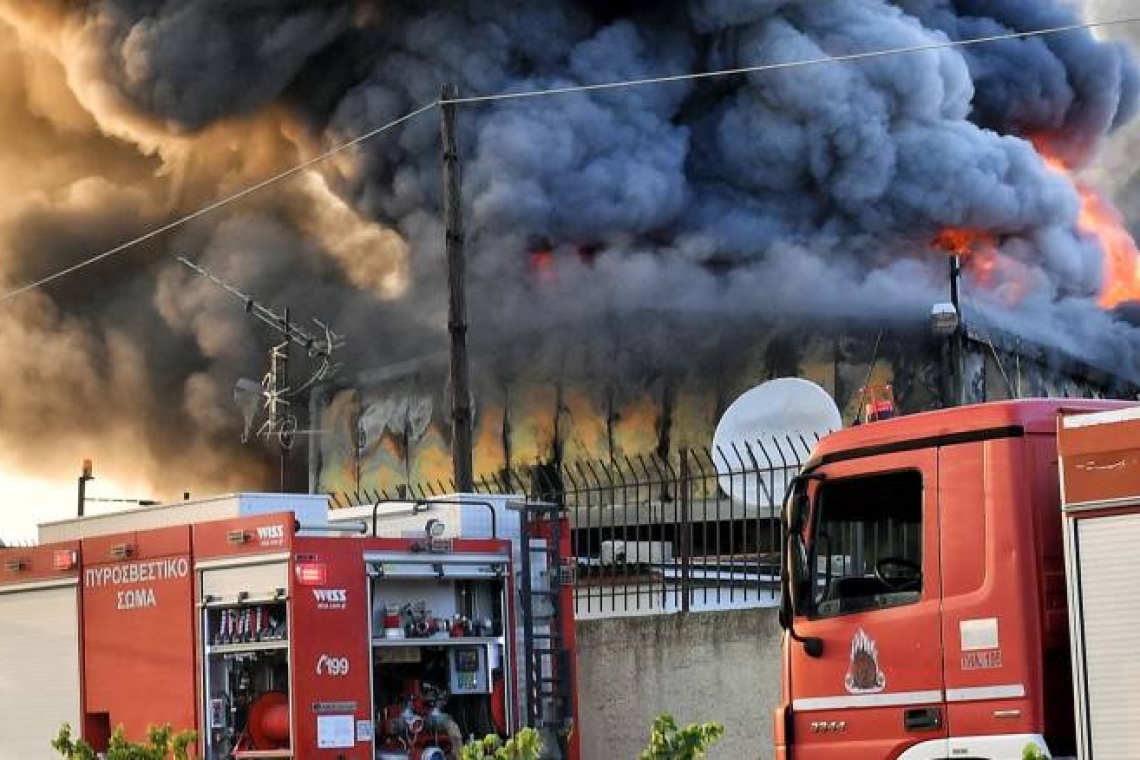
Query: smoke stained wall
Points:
[395, 433]
[778, 197]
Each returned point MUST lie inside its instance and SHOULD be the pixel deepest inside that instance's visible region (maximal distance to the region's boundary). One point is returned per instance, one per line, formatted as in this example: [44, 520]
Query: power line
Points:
[789, 64]
[851, 57]
[250, 190]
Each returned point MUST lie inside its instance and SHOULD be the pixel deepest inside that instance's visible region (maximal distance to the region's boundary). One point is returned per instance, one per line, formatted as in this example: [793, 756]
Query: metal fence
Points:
[698, 530]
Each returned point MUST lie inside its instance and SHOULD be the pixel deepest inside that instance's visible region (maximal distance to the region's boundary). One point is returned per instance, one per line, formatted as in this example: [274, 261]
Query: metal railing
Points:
[697, 530]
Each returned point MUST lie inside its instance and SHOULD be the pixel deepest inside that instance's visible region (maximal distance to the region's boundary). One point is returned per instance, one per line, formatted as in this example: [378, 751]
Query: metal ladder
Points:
[547, 683]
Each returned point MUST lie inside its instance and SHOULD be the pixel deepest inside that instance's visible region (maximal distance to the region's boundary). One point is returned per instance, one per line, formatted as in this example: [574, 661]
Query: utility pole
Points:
[461, 454]
[84, 476]
[957, 343]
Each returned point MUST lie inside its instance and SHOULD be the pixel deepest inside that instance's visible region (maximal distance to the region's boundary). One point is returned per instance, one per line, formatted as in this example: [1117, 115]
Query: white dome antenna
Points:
[769, 414]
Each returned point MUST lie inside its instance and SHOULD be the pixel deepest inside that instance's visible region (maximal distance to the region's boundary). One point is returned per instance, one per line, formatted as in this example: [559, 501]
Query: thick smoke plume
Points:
[812, 191]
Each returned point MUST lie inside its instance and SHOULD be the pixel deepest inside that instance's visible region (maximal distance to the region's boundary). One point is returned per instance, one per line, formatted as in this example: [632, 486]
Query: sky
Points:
[91, 159]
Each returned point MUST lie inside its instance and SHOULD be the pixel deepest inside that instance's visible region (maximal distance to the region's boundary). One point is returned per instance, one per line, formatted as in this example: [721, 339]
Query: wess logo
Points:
[331, 598]
[271, 535]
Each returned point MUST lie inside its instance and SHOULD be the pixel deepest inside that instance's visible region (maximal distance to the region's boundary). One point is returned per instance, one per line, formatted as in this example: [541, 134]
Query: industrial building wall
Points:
[572, 399]
[594, 400]
[704, 666]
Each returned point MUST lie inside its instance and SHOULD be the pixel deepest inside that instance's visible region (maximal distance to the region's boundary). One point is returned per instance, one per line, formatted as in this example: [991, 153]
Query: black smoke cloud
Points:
[815, 190]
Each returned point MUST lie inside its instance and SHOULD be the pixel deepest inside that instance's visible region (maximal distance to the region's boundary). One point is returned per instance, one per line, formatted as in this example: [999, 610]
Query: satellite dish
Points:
[769, 415]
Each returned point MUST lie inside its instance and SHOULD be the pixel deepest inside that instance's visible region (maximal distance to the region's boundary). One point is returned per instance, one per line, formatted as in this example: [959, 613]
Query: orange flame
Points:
[977, 249]
[1101, 221]
[542, 264]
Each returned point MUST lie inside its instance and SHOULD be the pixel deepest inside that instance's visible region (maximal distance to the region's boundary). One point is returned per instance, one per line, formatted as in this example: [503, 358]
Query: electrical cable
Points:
[767, 67]
[251, 189]
[870, 374]
[984, 333]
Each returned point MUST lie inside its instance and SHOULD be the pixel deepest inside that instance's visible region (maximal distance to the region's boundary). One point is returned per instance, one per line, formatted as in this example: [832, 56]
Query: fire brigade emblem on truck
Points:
[863, 674]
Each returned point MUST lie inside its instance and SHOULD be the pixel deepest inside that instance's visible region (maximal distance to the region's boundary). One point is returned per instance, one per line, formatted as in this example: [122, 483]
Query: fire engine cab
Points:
[278, 629]
[924, 594]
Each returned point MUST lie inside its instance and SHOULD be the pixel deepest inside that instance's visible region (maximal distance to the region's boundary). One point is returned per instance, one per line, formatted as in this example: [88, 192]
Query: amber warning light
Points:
[879, 402]
[311, 573]
[65, 559]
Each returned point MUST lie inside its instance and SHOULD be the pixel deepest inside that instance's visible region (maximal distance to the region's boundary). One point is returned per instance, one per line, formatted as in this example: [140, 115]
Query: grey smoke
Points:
[798, 193]
[195, 62]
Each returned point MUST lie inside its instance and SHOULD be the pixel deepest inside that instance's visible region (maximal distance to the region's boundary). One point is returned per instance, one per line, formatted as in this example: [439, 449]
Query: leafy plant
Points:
[161, 744]
[525, 745]
[668, 741]
[1032, 752]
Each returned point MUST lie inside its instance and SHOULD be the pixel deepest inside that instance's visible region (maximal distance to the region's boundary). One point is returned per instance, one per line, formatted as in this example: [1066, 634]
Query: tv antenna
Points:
[273, 393]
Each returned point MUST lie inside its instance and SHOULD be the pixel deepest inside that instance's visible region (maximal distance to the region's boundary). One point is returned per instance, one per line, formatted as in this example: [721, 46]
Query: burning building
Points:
[637, 256]
[565, 399]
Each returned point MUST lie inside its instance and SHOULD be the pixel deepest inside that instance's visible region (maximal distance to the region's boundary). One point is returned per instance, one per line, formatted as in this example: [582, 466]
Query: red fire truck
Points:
[399, 635]
[934, 569]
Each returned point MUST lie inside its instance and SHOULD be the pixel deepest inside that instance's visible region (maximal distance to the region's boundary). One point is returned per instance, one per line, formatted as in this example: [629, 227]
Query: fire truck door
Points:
[872, 558]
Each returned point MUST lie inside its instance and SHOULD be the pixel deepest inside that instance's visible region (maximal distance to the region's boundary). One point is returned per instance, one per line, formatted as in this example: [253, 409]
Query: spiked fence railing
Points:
[696, 530]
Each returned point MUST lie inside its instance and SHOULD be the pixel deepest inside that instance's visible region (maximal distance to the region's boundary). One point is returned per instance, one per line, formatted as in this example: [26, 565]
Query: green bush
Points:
[161, 744]
[525, 745]
[667, 741]
[1031, 752]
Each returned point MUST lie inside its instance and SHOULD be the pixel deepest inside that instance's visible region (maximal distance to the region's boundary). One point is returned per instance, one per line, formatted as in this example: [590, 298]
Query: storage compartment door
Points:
[1109, 629]
[247, 582]
[39, 668]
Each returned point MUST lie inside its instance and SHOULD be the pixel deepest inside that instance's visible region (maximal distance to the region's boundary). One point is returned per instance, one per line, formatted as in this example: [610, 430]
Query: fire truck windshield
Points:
[865, 545]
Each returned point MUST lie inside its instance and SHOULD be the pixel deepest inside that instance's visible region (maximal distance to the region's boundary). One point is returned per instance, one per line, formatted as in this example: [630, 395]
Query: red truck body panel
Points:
[320, 688]
[244, 537]
[138, 633]
[29, 564]
[1101, 462]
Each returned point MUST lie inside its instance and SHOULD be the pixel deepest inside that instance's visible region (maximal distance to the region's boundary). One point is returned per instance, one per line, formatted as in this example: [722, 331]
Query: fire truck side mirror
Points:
[797, 507]
[796, 586]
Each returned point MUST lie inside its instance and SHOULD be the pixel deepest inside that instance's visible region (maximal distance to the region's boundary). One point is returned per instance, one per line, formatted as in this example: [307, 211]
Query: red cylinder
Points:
[275, 724]
[269, 721]
[499, 705]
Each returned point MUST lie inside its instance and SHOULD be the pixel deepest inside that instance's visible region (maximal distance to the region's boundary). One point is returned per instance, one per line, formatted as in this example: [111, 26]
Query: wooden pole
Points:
[461, 454]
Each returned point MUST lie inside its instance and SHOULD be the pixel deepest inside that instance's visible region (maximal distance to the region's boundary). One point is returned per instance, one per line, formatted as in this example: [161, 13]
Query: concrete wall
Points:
[703, 666]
